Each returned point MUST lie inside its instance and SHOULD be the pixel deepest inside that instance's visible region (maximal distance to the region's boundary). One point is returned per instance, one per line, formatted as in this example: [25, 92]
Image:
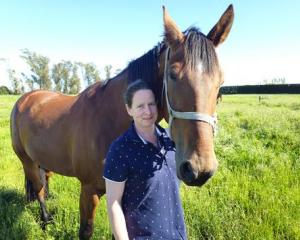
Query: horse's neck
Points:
[108, 100]
[111, 93]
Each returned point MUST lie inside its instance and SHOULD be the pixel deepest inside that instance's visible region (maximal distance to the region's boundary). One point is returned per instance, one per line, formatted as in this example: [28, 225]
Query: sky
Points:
[264, 42]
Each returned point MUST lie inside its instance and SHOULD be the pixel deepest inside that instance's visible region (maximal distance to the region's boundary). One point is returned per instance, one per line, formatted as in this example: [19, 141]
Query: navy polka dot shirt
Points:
[150, 201]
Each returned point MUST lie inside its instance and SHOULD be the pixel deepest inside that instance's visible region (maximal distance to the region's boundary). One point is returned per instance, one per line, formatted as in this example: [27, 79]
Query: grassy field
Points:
[254, 195]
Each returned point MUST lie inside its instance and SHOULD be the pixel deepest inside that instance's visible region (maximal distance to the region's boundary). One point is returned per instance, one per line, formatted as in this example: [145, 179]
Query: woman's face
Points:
[143, 109]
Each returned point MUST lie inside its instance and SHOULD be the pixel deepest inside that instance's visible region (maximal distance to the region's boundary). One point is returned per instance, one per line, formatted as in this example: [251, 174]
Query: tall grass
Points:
[255, 193]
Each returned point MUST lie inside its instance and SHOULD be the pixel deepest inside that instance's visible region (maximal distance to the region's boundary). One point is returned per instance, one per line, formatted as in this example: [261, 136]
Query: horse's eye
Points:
[173, 75]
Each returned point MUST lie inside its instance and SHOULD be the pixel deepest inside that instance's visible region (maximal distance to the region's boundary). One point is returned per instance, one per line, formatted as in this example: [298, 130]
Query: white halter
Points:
[212, 120]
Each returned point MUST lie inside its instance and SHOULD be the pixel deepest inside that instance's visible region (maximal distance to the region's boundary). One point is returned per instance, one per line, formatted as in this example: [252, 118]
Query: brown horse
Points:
[70, 135]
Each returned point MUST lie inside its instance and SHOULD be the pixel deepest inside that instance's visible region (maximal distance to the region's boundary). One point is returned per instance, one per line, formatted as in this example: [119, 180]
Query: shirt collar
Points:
[132, 133]
[158, 132]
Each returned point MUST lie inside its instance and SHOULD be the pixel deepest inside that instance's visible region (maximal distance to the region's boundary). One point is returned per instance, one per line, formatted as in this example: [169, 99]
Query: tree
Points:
[58, 76]
[28, 81]
[278, 81]
[275, 81]
[17, 83]
[61, 76]
[90, 73]
[107, 70]
[5, 90]
[74, 81]
[65, 77]
[39, 66]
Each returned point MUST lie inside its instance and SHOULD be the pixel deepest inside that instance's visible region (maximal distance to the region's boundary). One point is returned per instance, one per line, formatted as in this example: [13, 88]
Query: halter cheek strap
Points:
[212, 120]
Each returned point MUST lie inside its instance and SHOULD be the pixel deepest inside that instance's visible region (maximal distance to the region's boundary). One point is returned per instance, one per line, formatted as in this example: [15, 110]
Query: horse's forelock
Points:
[198, 48]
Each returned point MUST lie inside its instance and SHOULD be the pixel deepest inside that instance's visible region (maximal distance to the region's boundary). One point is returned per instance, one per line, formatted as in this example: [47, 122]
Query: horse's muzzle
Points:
[193, 177]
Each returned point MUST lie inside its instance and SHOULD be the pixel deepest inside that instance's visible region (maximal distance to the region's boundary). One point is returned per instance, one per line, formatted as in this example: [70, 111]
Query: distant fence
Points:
[262, 89]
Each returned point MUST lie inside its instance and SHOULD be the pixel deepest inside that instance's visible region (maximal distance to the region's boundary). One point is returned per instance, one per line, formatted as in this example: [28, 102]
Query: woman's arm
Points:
[114, 193]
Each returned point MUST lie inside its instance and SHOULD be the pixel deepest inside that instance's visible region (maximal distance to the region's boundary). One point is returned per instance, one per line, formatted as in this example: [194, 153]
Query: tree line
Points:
[262, 89]
[64, 76]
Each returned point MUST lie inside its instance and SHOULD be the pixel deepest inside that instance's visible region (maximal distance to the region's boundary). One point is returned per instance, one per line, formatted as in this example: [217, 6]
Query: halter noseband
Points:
[212, 120]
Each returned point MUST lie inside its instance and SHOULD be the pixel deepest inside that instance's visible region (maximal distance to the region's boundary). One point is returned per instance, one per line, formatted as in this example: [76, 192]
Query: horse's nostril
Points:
[206, 175]
[193, 177]
[187, 173]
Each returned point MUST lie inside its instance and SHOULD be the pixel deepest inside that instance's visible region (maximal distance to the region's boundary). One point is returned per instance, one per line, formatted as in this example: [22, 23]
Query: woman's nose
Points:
[148, 109]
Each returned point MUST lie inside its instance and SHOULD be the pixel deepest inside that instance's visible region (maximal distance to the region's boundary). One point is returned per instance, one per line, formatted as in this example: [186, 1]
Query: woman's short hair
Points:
[132, 88]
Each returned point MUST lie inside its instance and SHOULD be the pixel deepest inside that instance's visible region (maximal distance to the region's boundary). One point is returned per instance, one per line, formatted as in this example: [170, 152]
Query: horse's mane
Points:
[146, 68]
[198, 47]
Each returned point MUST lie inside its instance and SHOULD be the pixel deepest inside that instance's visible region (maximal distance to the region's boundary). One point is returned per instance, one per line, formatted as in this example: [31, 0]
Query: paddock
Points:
[254, 194]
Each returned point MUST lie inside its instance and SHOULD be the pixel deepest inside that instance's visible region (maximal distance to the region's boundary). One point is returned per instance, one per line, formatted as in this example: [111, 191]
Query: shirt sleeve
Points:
[116, 164]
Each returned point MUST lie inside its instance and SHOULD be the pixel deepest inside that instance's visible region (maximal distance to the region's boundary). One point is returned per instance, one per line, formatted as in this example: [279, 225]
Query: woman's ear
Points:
[128, 110]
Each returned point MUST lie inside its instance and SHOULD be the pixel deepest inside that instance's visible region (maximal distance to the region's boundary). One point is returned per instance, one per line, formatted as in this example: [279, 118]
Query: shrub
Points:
[5, 90]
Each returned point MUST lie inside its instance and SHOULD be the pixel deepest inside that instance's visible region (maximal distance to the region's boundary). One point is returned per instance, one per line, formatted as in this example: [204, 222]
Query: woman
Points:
[140, 175]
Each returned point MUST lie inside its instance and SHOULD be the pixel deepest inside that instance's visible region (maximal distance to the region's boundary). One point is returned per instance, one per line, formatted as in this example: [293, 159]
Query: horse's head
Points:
[192, 79]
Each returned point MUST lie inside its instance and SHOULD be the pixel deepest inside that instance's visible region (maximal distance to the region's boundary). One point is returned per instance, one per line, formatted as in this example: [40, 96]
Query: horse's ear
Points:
[220, 31]
[173, 35]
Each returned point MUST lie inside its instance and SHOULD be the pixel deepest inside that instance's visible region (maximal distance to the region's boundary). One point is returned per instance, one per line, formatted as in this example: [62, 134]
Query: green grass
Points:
[255, 193]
